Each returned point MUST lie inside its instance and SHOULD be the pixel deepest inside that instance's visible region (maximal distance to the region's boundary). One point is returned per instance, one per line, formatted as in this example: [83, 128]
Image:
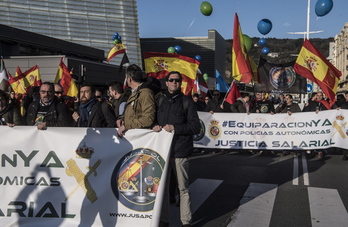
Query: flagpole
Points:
[308, 17]
[229, 88]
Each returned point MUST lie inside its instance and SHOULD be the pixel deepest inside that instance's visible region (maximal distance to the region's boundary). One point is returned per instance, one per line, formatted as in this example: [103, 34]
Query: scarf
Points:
[85, 109]
[172, 95]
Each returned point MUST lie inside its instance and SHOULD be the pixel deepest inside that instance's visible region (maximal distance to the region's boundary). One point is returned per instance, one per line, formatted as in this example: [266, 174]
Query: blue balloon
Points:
[177, 48]
[262, 42]
[264, 26]
[265, 50]
[198, 57]
[323, 7]
[115, 34]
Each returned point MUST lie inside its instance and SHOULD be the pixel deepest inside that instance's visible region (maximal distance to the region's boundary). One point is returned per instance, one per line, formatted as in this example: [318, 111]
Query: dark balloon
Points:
[265, 50]
[177, 48]
[323, 7]
[198, 57]
[262, 42]
[264, 26]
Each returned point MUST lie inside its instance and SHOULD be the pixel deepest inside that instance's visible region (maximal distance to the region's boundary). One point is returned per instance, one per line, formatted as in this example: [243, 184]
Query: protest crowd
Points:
[143, 104]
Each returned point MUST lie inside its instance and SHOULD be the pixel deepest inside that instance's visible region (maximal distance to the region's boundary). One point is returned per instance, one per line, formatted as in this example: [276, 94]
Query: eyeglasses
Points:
[172, 80]
[216, 94]
[58, 92]
[48, 92]
[206, 99]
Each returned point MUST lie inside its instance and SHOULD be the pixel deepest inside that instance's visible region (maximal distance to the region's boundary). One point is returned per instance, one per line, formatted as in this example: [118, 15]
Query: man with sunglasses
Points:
[214, 104]
[48, 110]
[174, 116]
[58, 91]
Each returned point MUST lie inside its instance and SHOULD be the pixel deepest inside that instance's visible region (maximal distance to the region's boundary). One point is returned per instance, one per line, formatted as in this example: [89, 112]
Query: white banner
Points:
[81, 176]
[300, 131]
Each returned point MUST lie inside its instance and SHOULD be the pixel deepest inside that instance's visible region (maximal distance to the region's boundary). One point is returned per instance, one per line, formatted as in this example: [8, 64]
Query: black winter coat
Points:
[186, 123]
[56, 116]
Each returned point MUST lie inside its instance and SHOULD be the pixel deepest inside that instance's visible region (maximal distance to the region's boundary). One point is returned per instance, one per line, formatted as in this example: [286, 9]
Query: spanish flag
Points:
[115, 50]
[242, 69]
[312, 65]
[158, 65]
[64, 78]
[22, 82]
[33, 76]
[17, 83]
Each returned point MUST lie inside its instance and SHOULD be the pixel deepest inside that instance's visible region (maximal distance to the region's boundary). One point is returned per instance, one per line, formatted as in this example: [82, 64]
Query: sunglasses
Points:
[58, 92]
[172, 80]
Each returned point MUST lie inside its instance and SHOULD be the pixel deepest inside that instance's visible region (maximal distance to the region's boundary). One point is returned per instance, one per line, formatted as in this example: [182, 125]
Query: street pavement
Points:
[238, 189]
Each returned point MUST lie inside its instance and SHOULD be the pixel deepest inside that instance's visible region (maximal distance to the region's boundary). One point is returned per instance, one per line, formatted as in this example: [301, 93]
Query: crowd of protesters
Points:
[46, 105]
[144, 105]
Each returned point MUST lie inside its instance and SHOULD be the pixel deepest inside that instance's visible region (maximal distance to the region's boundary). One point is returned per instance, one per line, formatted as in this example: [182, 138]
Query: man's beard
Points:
[46, 100]
[84, 101]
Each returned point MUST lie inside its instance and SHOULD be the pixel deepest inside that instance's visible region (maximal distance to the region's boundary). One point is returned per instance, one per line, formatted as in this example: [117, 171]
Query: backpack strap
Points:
[159, 100]
[185, 102]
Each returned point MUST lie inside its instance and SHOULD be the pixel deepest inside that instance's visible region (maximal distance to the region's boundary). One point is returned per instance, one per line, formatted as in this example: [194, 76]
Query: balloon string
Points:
[189, 26]
[179, 41]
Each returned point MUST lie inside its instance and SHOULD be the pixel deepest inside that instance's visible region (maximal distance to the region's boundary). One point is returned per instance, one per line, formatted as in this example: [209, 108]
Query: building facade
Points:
[340, 57]
[89, 23]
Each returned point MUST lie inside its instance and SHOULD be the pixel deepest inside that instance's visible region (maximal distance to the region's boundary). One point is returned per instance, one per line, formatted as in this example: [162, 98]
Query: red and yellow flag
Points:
[312, 65]
[158, 65]
[33, 76]
[22, 82]
[115, 50]
[17, 83]
[64, 78]
[242, 69]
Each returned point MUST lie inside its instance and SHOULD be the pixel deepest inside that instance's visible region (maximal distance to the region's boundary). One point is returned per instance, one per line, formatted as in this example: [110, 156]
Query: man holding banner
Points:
[176, 113]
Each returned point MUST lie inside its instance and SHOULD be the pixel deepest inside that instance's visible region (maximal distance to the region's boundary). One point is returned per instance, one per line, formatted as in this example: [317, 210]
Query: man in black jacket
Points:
[48, 111]
[93, 113]
[177, 114]
[263, 105]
